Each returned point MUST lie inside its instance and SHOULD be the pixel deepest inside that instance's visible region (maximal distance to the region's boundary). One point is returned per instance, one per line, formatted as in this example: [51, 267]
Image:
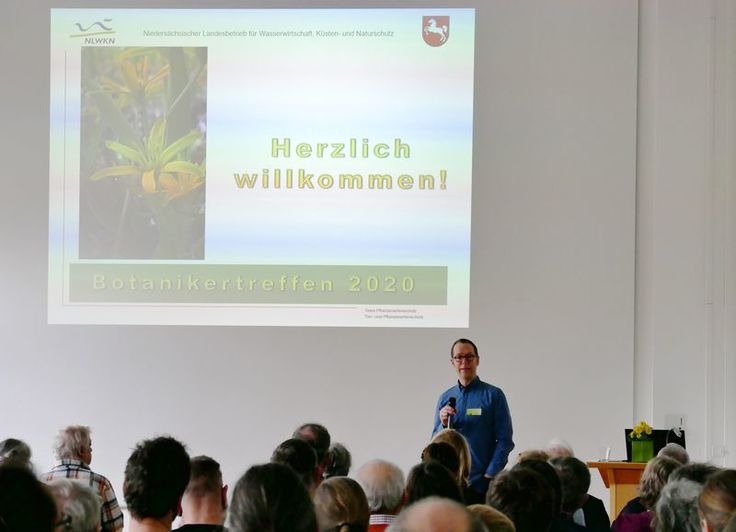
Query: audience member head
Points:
[156, 475]
[558, 447]
[74, 443]
[271, 498]
[533, 454]
[339, 461]
[341, 506]
[698, 472]
[205, 499]
[655, 476]
[549, 475]
[317, 436]
[383, 484]
[676, 452]
[435, 514]
[78, 506]
[25, 503]
[15, 452]
[731, 524]
[429, 479]
[574, 481]
[460, 444]
[493, 520]
[677, 507]
[446, 455]
[300, 456]
[524, 497]
[717, 501]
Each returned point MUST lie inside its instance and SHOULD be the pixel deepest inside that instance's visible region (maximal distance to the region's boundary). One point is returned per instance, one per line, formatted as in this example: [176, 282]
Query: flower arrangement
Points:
[643, 431]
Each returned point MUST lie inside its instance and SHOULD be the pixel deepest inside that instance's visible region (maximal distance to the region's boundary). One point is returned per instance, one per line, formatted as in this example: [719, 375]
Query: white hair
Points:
[677, 507]
[79, 504]
[559, 447]
[71, 442]
[383, 484]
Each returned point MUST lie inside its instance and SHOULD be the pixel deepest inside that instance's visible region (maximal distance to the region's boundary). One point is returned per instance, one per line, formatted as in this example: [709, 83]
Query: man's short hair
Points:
[676, 452]
[14, 451]
[575, 481]
[156, 475]
[80, 505]
[383, 484]
[429, 479]
[71, 442]
[317, 436]
[300, 456]
[205, 477]
[339, 462]
[436, 514]
[464, 341]
[524, 496]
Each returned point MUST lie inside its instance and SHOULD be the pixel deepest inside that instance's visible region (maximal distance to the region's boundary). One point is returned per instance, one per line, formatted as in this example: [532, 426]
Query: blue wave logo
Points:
[102, 27]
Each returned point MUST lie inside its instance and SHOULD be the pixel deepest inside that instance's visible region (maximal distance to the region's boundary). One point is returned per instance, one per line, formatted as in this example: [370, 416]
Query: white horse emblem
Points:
[433, 28]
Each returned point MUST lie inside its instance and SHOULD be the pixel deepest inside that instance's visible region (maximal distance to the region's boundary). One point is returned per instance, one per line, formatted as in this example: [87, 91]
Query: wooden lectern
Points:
[622, 480]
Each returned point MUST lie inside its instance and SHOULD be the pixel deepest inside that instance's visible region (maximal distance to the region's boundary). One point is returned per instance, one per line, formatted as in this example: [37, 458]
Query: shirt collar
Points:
[381, 519]
[77, 463]
[475, 381]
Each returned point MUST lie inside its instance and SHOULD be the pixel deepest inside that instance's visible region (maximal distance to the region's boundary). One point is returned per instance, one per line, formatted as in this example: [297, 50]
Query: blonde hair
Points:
[494, 520]
[340, 503]
[460, 444]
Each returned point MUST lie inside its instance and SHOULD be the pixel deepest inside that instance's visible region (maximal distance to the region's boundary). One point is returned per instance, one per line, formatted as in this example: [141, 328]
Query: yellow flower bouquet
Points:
[642, 443]
[643, 431]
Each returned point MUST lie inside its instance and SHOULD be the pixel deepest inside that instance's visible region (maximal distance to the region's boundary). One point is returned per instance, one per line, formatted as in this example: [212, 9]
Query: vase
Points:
[642, 450]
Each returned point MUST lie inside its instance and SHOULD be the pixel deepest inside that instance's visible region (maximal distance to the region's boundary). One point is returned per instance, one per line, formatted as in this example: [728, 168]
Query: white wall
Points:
[557, 192]
[685, 265]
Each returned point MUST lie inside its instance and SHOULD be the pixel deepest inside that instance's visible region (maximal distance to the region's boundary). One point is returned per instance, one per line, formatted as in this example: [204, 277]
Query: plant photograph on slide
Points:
[142, 153]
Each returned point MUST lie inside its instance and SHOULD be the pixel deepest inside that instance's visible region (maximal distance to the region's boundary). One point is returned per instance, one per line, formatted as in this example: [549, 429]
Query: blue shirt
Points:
[484, 419]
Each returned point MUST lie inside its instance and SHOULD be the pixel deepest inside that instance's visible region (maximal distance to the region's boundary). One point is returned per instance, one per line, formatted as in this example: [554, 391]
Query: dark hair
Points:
[339, 462]
[341, 505]
[300, 456]
[271, 498]
[25, 503]
[524, 496]
[717, 501]
[429, 479]
[205, 477]
[317, 436]
[156, 475]
[654, 477]
[14, 451]
[548, 475]
[464, 341]
[695, 471]
[445, 454]
[574, 480]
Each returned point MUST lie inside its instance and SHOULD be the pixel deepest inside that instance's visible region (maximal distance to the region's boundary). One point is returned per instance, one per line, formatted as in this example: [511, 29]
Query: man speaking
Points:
[478, 411]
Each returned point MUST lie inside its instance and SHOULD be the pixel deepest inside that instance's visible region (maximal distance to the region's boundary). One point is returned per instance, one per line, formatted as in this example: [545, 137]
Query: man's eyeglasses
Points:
[460, 358]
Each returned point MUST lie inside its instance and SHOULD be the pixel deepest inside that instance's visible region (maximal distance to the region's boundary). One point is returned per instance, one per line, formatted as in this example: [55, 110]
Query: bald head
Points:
[436, 515]
[383, 484]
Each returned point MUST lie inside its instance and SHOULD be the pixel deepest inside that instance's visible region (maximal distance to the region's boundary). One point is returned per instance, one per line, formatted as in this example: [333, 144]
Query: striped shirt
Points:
[112, 517]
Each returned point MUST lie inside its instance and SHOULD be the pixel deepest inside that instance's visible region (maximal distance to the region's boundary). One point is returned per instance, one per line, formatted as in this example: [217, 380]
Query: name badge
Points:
[473, 412]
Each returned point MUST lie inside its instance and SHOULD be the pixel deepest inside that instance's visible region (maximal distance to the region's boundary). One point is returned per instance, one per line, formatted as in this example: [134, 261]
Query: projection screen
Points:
[261, 167]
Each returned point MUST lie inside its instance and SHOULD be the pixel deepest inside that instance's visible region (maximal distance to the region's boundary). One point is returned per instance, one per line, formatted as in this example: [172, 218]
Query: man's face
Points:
[465, 360]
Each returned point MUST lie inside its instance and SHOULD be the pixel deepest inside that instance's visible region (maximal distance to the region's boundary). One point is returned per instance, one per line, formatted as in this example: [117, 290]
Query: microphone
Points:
[451, 404]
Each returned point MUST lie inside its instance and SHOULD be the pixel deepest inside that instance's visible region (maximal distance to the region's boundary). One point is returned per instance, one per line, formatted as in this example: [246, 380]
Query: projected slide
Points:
[302, 167]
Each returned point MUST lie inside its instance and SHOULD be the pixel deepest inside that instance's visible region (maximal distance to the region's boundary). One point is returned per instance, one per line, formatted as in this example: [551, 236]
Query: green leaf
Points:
[133, 154]
[157, 137]
[179, 145]
[184, 167]
[115, 170]
[111, 116]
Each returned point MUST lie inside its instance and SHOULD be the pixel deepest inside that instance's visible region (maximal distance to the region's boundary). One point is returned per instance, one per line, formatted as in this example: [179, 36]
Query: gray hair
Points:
[417, 517]
[675, 451]
[677, 507]
[383, 483]
[13, 451]
[71, 442]
[79, 504]
[559, 447]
